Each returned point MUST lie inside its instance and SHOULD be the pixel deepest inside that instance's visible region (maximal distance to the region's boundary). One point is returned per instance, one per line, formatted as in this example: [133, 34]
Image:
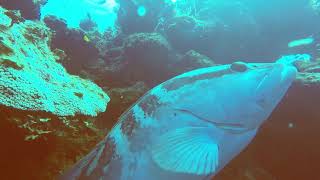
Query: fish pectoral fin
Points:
[186, 150]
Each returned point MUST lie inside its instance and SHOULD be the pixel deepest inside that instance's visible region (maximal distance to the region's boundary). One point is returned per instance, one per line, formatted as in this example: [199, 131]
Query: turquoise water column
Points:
[103, 13]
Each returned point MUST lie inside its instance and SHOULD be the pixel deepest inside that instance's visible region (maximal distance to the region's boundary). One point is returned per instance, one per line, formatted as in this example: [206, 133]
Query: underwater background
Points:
[70, 68]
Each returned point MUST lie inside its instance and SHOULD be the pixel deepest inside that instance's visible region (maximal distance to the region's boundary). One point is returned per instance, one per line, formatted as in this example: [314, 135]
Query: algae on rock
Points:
[31, 78]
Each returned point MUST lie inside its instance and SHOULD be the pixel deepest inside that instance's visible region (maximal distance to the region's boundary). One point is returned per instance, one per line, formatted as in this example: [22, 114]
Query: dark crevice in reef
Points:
[33, 139]
[19, 157]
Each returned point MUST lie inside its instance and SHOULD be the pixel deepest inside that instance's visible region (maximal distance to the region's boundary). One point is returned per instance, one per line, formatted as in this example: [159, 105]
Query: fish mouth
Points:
[288, 74]
[284, 74]
[268, 79]
[234, 128]
[274, 82]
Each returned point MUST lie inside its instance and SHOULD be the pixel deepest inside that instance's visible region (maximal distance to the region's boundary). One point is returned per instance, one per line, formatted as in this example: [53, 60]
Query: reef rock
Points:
[78, 46]
[186, 33]
[31, 79]
[220, 28]
[38, 99]
[30, 9]
[310, 67]
[141, 57]
[39, 145]
[122, 99]
[146, 46]
[147, 55]
[191, 60]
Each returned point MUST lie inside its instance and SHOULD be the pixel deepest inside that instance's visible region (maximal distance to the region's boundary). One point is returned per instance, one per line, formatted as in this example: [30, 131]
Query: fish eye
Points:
[239, 66]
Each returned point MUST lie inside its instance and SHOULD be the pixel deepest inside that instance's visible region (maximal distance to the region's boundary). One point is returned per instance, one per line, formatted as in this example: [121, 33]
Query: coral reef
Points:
[42, 145]
[80, 51]
[30, 9]
[191, 60]
[87, 24]
[122, 99]
[170, 38]
[149, 50]
[31, 79]
[186, 33]
[219, 28]
[310, 67]
[38, 101]
[121, 65]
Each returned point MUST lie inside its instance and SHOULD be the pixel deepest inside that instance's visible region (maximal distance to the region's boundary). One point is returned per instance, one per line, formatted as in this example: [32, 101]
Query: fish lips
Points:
[276, 81]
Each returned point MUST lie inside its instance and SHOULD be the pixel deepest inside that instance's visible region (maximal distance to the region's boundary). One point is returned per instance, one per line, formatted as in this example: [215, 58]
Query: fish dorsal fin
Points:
[187, 150]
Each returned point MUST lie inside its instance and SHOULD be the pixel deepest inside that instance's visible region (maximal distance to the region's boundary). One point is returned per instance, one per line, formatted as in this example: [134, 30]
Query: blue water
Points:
[75, 11]
[252, 30]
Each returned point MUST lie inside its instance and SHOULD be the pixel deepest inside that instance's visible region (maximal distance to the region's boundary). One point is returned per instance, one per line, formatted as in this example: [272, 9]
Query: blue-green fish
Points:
[300, 42]
[189, 127]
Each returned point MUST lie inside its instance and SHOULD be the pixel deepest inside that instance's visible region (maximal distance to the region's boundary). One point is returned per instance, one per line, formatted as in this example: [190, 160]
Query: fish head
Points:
[237, 97]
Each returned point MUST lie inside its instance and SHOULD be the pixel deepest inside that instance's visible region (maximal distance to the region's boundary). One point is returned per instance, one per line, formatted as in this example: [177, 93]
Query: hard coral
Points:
[30, 9]
[72, 41]
[187, 32]
[147, 53]
[42, 145]
[122, 99]
[190, 61]
[31, 79]
[140, 44]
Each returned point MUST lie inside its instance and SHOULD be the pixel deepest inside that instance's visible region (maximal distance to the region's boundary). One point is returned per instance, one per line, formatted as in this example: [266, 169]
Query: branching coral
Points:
[31, 79]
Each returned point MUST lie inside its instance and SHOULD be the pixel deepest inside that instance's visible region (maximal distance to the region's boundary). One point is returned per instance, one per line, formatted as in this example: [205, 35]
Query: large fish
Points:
[189, 127]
